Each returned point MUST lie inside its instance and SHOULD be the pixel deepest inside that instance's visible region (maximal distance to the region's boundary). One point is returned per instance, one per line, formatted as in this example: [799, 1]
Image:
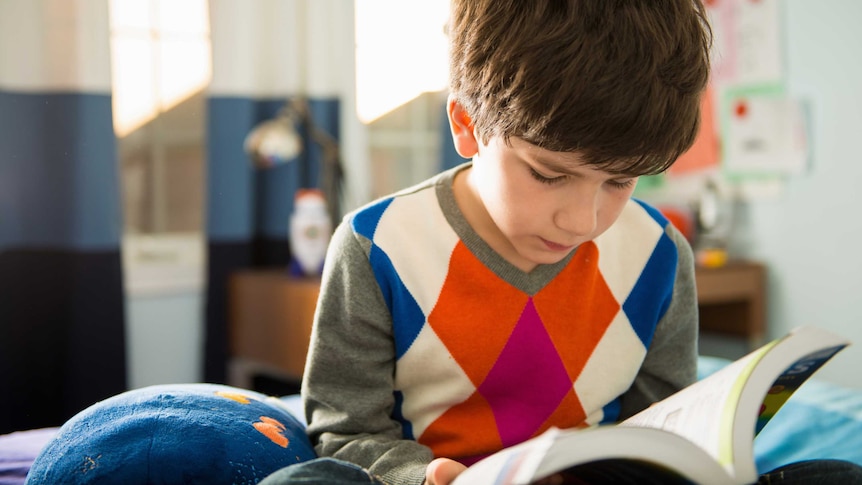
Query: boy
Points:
[561, 105]
[525, 289]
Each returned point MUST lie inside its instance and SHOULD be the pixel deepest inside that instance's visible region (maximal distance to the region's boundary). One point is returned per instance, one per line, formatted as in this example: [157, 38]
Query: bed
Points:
[822, 420]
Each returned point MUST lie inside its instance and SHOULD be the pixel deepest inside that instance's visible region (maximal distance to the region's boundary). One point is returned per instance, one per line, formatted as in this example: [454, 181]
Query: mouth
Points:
[557, 247]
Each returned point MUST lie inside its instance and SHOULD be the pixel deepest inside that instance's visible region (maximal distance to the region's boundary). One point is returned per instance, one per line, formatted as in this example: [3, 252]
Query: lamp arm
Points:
[332, 173]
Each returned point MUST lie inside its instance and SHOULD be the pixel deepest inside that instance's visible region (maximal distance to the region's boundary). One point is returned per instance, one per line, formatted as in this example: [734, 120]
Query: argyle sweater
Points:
[428, 343]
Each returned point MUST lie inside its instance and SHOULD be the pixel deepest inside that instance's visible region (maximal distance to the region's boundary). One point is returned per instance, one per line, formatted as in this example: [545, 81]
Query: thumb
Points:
[442, 471]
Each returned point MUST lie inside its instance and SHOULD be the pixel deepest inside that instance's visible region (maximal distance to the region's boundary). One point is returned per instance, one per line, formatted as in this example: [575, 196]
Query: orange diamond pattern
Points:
[477, 332]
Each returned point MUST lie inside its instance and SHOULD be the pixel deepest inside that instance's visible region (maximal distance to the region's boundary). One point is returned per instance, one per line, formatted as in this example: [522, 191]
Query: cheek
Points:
[613, 206]
[529, 212]
[504, 200]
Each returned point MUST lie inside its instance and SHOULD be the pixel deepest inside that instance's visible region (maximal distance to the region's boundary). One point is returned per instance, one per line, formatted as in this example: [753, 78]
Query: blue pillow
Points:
[178, 433]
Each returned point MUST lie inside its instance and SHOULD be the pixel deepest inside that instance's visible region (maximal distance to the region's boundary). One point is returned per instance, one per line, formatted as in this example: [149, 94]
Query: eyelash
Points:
[545, 180]
[621, 185]
[552, 180]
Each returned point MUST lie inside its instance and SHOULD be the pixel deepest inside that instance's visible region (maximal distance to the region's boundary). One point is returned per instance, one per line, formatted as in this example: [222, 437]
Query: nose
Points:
[578, 215]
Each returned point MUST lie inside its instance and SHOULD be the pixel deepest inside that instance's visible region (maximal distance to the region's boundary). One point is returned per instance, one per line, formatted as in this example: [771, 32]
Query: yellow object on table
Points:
[711, 257]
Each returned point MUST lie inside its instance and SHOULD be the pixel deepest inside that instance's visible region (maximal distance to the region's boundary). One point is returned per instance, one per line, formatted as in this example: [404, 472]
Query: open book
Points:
[702, 434]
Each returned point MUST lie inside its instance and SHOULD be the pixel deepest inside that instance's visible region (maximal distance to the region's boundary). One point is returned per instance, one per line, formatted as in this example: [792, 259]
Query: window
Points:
[401, 75]
[161, 64]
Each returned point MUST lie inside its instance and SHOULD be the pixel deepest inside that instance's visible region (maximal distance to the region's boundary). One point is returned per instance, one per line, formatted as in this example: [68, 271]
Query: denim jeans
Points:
[814, 472]
[322, 471]
[330, 471]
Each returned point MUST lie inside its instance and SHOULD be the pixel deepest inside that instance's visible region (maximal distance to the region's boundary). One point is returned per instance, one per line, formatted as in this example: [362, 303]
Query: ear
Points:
[462, 129]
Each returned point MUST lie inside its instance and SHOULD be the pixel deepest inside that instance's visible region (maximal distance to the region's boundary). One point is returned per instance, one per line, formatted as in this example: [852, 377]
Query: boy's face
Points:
[543, 204]
[531, 205]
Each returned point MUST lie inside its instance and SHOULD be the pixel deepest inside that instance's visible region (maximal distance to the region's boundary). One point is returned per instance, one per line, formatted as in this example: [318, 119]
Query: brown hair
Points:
[618, 81]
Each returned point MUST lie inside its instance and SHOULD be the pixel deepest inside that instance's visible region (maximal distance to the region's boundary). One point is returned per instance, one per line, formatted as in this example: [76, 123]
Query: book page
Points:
[723, 412]
[683, 413]
[671, 457]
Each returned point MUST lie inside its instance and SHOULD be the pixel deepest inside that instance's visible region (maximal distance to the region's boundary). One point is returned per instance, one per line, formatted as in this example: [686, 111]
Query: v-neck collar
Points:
[530, 282]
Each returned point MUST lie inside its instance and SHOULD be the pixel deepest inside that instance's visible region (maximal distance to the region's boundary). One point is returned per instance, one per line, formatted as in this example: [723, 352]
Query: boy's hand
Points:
[442, 471]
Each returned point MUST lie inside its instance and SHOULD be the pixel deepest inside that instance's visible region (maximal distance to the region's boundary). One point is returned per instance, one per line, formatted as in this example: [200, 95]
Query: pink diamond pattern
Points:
[528, 381]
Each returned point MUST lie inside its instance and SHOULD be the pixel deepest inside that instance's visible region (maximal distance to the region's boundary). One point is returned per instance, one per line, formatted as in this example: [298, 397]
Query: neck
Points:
[471, 205]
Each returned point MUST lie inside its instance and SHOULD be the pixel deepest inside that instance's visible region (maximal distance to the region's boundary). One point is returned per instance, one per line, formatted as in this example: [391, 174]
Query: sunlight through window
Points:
[160, 55]
[401, 52]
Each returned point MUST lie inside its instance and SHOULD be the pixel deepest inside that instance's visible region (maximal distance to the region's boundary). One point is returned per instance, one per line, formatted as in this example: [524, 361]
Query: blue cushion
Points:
[179, 433]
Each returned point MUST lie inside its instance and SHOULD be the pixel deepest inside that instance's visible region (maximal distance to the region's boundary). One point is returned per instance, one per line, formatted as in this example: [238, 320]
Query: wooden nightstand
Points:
[270, 318]
[732, 300]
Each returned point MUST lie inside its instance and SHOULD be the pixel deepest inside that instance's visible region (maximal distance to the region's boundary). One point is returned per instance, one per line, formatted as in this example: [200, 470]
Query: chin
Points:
[547, 258]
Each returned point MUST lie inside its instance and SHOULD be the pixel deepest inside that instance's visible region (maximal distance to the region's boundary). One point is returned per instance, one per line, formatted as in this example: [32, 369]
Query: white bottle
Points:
[310, 230]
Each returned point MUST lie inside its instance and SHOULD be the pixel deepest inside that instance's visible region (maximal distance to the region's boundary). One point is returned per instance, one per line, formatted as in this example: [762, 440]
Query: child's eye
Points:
[546, 180]
[621, 184]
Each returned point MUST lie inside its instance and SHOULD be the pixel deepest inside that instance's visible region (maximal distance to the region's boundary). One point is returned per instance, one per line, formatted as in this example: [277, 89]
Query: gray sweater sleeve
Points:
[349, 376]
[671, 360]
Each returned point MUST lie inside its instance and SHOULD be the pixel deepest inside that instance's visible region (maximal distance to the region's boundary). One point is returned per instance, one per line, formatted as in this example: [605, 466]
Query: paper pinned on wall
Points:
[704, 154]
[746, 46]
[758, 42]
[764, 133]
[722, 19]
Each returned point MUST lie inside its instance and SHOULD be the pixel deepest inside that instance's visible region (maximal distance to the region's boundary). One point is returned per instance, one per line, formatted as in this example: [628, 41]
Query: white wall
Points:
[809, 234]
